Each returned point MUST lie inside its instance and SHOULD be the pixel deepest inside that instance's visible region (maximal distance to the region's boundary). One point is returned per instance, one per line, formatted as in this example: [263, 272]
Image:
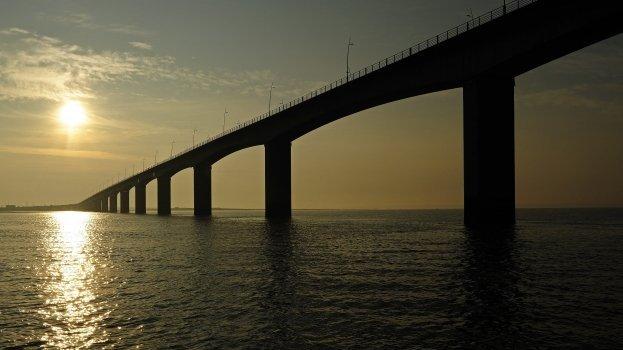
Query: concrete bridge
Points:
[483, 56]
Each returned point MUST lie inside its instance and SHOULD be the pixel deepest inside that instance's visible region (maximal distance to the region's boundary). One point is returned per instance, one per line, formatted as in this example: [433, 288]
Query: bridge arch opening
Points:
[151, 196]
[569, 152]
[238, 180]
[182, 192]
[132, 201]
[401, 155]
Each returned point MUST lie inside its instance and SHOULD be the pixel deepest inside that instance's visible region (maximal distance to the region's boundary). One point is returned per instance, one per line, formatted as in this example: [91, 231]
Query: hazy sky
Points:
[149, 72]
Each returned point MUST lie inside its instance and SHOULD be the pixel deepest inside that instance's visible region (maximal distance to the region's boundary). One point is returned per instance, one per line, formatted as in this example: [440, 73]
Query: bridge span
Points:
[482, 56]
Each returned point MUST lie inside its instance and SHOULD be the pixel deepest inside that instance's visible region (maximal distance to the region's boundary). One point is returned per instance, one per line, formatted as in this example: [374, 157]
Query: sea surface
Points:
[326, 279]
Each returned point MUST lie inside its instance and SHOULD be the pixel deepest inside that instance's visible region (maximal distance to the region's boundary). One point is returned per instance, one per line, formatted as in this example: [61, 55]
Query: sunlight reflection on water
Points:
[71, 315]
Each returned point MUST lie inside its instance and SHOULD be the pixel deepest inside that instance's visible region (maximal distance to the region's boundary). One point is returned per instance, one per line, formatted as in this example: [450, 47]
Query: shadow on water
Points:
[279, 298]
[490, 283]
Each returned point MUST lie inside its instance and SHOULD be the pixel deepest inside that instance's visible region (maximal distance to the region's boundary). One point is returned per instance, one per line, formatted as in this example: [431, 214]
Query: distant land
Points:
[15, 208]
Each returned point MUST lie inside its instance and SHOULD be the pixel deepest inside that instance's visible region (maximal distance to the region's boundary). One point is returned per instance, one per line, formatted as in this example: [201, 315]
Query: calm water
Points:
[353, 279]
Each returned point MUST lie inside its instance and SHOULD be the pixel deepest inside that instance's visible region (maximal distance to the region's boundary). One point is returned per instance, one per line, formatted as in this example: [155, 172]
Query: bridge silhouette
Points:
[482, 56]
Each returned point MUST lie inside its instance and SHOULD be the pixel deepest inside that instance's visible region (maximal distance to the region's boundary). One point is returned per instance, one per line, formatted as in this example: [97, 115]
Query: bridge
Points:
[482, 56]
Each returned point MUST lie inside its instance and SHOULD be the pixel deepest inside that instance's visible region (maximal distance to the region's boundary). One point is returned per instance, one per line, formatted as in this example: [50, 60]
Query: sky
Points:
[148, 73]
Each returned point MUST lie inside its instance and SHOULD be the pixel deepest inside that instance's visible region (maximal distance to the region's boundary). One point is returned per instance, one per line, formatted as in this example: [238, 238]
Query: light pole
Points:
[504, 7]
[350, 43]
[194, 131]
[270, 95]
[470, 16]
[224, 114]
[172, 143]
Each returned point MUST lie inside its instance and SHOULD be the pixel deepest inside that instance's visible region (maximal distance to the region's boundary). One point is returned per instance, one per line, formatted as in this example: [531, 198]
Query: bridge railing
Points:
[419, 47]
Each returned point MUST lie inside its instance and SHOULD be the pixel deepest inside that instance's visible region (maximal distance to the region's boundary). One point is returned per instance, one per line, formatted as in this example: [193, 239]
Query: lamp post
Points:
[270, 95]
[350, 43]
[224, 114]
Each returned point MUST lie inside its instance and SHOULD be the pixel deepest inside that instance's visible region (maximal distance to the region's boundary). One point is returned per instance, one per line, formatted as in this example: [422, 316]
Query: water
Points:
[347, 279]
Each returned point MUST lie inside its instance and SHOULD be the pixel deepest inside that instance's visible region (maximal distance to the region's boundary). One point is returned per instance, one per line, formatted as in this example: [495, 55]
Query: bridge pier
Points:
[125, 201]
[489, 152]
[140, 199]
[164, 195]
[278, 183]
[104, 205]
[203, 189]
[113, 203]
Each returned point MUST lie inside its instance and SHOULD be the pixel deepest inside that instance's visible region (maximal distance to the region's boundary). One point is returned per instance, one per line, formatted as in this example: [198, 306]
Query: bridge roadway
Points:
[483, 56]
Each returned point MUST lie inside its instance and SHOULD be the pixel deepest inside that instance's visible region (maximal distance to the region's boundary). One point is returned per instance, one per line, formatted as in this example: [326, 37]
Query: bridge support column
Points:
[113, 203]
[140, 199]
[164, 195]
[278, 186]
[104, 205]
[125, 201]
[203, 189]
[489, 152]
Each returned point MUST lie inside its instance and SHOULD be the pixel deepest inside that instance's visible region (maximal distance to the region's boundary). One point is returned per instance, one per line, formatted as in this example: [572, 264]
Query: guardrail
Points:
[428, 43]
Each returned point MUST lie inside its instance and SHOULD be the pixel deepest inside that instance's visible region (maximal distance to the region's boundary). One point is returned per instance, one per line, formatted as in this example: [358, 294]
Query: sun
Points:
[72, 114]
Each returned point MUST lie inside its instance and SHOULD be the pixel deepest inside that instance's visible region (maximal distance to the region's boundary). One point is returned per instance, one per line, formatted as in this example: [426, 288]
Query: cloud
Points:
[58, 152]
[596, 63]
[34, 66]
[83, 20]
[599, 98]
[14, 31]
[140, 45]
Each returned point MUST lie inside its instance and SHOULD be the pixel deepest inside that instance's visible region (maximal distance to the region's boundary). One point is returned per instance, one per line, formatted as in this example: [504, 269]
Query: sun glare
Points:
[72, 114]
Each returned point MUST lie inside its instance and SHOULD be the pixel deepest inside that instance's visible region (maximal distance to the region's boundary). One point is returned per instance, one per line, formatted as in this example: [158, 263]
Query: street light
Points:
[350, 43]
[470, 16]
[270, 95]
[224, 114]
